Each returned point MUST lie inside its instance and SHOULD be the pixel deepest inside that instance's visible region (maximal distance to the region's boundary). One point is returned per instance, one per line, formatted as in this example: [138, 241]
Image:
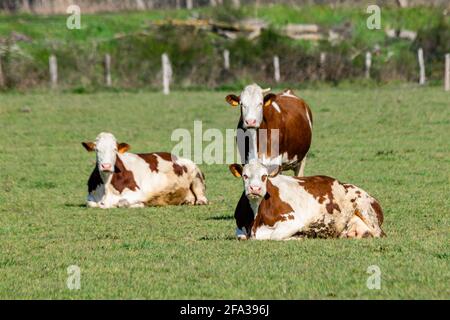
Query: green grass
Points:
[393, 142]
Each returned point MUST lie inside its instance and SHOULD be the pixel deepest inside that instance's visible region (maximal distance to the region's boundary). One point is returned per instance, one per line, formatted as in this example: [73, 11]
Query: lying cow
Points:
[286, 207]
[123, 179]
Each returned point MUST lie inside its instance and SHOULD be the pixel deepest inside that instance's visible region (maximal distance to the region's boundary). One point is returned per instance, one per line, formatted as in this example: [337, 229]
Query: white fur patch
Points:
[289, 94]
[309, 120]
[276, 106]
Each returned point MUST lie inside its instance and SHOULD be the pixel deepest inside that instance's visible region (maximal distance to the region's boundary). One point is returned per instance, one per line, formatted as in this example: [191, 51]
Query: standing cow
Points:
[285, 112]
[318, 206]
[123, 179]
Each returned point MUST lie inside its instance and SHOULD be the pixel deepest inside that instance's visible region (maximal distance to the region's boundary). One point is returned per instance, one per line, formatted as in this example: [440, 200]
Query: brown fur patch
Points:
[271, 209]
[170, 198]
[179, 170]
[331, 206]
[320, 187]
[319, 229]
[151, 159]
[123, 178]
[377, 208]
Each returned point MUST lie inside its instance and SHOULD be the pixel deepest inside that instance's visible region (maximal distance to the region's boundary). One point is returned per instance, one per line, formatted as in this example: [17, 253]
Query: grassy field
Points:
[393, 142]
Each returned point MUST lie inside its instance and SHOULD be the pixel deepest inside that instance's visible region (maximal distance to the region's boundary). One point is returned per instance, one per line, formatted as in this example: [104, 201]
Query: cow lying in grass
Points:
[123, 179]
[286, 207]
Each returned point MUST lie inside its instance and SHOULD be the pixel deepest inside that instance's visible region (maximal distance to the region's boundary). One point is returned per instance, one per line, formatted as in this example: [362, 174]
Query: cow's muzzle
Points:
[106, 167]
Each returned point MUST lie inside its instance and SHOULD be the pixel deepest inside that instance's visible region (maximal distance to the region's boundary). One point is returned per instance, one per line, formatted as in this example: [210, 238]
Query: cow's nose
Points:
[255, 189]
[250, 122]
[106, 166]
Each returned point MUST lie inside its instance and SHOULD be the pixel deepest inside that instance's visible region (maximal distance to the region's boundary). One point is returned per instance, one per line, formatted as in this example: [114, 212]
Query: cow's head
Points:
[106, 149]
[254, 176]
[251, 101]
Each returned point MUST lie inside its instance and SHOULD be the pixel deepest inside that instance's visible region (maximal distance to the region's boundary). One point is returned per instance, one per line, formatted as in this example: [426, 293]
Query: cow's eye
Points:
[245, 177]
[264, 177]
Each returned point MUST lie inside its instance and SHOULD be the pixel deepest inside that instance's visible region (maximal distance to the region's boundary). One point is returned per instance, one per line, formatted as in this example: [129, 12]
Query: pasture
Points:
[391, 141]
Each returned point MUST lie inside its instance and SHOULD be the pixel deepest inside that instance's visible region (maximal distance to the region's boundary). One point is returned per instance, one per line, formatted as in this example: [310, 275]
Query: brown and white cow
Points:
[123, 179]
[286, 207]
[284, 111]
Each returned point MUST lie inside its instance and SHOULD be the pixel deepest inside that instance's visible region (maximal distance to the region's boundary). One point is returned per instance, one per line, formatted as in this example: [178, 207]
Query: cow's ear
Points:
[268, 98]
[233, 100]
[89, 146]
[123, 147]
[236, 170]
[273, 170]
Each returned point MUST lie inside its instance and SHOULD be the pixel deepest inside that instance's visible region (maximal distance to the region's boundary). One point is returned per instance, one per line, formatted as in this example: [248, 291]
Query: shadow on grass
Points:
[220, 237]
[75, 205]
[218, 218]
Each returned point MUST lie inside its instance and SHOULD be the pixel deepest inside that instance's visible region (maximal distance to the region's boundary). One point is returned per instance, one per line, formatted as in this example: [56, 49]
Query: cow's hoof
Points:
[242, 237]
[123, 203]
[91, 204]
[201, 201]
[189, 202]
[138, 205]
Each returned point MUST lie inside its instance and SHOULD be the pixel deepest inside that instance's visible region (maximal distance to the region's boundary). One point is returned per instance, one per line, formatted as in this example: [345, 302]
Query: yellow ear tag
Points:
[234, 103]
[235, 172]
[268, 103]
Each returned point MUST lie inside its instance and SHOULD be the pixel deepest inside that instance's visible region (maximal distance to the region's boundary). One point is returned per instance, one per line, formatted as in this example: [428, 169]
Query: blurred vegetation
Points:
[26, 41]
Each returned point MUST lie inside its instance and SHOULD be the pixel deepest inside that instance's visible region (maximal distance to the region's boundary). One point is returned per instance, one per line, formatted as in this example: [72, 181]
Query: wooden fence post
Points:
[107, 66]
[322, 60]
[189, 4]
[368, 64]
[447, 72]
[421, 66]
[53, 68]
[2, 79]
[276, 67]
[167, 73]
[226, 59]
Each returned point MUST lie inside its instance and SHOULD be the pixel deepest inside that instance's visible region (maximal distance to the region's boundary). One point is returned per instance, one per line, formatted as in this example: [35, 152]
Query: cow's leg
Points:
[241, 234]
[90, 201]
[299, 170]
[243, 214]
[263, 233]
[198, 188]
[124, 203]
[190, 198]
[356, 228]
[91, 204]
[285, 230]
